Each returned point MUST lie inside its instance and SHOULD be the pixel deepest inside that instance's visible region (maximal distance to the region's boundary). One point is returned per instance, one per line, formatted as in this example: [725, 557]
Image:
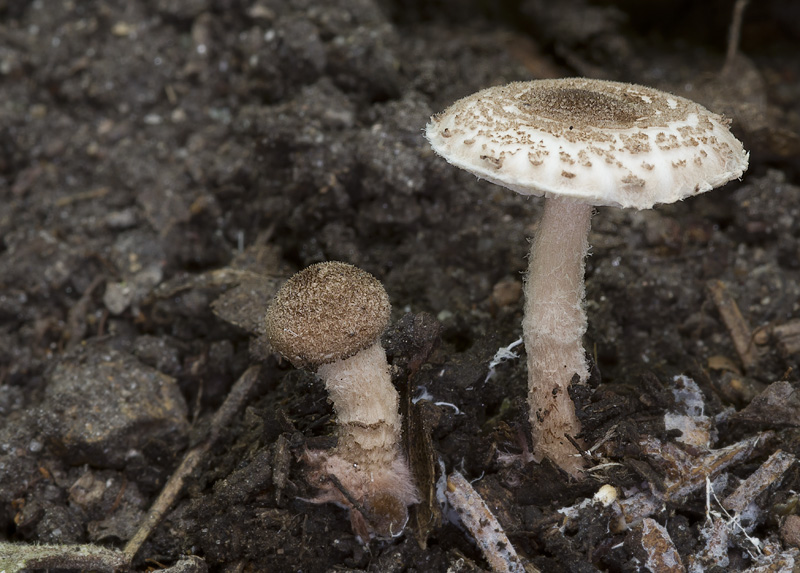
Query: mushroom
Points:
[580, 143]
[328, 318]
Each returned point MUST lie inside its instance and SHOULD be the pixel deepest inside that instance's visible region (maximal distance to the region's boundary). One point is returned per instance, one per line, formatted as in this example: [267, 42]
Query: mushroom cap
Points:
[594, 141]
[327, 312]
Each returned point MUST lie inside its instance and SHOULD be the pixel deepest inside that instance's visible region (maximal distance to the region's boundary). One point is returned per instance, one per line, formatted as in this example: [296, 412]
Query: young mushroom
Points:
[579, 143]
[328, 318]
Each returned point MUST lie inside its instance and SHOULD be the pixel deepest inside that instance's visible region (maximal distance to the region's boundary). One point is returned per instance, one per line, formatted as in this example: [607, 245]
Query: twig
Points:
[582, 451]
[734, 35]
[349, 497]
[737, 325]
[83, 196]
[76, 317]
[236, 399]
[769, 472]
[482, 525]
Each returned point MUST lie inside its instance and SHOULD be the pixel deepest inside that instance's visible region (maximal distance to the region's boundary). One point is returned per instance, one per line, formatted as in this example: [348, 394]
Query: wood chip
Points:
[651, 540]
[684, 473]
[770, 472]
[777, 406]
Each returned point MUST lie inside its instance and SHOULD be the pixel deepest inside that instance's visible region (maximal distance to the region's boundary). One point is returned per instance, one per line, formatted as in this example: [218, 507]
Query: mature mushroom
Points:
[580, 143]
[329, 318]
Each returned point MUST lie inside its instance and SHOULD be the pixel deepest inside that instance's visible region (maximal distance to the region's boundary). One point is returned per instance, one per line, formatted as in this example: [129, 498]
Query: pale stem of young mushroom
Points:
[553, 328]
[367, 463]
[366, 405]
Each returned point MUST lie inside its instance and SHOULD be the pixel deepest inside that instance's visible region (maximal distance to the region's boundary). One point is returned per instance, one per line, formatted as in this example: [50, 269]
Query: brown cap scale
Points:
[579, 142]
[329, 318]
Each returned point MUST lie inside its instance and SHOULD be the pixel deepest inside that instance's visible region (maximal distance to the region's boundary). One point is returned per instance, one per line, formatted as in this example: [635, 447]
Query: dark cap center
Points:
[580, 107]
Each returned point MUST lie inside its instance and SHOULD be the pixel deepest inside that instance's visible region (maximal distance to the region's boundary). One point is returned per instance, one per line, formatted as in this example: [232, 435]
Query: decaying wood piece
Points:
[633, 509]
[651, 541]
[674, 471]
[735, 322]
[777, 406]
[719, 532]
[483, 526]
[770, 472]
[689, 415]
[685, 473]
[773, 560]
[724, 527]
[716, 532]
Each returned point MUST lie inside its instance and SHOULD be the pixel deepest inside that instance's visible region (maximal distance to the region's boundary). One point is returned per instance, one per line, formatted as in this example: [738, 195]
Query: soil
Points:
[166, 164]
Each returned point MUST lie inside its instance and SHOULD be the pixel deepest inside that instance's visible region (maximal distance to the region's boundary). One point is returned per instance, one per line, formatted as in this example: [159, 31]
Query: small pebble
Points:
[790, 531]
[507, 292]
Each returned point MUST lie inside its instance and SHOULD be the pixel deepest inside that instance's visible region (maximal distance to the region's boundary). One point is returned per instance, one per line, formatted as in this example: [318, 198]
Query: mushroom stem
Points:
[553, 328]
[367, 465]
[366, 405]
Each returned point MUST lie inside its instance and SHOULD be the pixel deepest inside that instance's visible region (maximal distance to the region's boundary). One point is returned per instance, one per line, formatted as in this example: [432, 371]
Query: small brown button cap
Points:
[327, 312]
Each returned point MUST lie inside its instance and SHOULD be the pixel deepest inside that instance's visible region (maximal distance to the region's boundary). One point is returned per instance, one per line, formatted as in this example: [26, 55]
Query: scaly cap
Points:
[594, 141]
